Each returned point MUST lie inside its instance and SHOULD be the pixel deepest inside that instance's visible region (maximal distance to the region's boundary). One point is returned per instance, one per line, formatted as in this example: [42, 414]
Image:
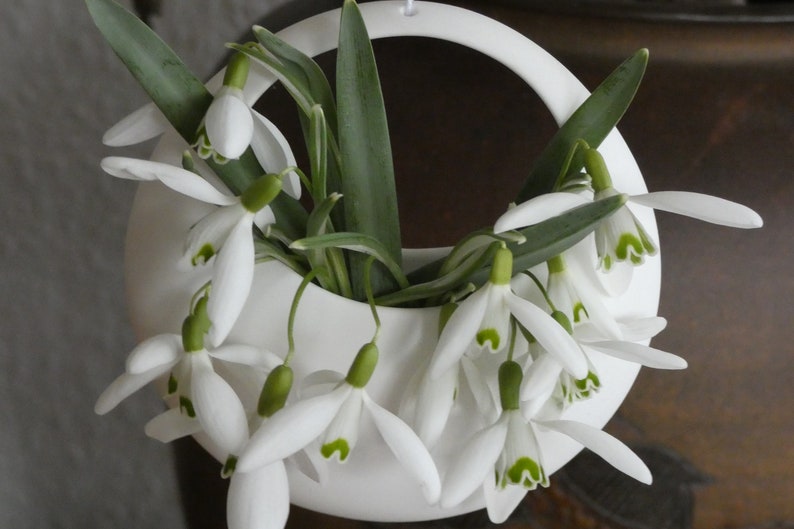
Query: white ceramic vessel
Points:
[330, 329]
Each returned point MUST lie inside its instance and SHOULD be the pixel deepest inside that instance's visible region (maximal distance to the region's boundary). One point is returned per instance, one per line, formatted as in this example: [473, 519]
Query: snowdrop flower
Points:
[484, 317]
[225, 232]
[505, 461]
[621, 237]
[258, 499]
[206, 402]
[579, 301]
[229, 123]
[545, 376]
[334, 419]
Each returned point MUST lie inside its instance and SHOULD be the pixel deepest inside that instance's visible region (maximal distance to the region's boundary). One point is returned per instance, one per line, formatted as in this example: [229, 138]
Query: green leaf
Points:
[365, 149]
[303, 67]
[444, 284]
[591, 122]
[551, 237]
[543, 241]
[162, 74]
[356, 242]
[179, 95]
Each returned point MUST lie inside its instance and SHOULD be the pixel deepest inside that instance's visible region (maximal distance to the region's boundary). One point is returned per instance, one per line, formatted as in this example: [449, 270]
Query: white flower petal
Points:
[550, 334]
[229, 123]
[459, 332]
[178, 179]
[541, 378]
[703, 207]
[609, 448]
[537, 210]
[161, 351]
[122, 387]
[144, 124]
[640, 354]
[480, 390]
[341, 436]
[311, 464]
[212, 230]
[291, 429]
[501, 502]
[218, 409]
[474, 465]
[408, 449]
[232, 276]
[639, 329]
[171, 425]
[258, 499]
[617, 279]
[247, 355]
[264, 217]
[274, 154]
[434, 404]
[320, 382]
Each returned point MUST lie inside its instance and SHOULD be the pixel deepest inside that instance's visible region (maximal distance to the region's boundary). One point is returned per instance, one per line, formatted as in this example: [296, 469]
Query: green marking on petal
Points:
[629, 247]
[489, 335]
[340, 445]
[172, 384]
[229, 466]
[186, 405]
[527, 472]
[579, 311]
[203, 255]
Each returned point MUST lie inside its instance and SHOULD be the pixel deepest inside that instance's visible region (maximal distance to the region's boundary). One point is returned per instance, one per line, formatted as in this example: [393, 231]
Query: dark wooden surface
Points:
[719, 436]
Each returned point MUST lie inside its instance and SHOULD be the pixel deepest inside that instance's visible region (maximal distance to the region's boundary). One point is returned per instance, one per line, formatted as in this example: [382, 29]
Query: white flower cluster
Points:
[521, 345]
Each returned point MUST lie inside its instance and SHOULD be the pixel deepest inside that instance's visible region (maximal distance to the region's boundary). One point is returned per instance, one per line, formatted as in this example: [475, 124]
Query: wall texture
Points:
[63, 327]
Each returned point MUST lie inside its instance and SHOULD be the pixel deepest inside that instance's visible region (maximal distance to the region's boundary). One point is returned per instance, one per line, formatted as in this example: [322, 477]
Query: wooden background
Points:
[715, 114]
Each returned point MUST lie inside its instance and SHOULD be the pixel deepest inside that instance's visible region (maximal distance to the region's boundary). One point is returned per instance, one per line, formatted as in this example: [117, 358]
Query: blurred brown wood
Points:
[708, 118]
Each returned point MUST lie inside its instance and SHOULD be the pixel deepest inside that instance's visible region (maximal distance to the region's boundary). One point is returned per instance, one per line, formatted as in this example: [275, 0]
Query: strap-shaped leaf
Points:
[179, 95]
[368, 174]
[543, 240]
[555, 235]
[591, 122]
[358, 243]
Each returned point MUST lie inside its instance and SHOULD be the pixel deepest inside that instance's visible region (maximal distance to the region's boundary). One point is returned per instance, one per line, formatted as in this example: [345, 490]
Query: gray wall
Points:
[63, 327]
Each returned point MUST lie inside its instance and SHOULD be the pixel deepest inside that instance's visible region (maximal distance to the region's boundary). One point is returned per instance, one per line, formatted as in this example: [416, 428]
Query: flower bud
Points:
[261, 192]
[502, 268]
[363, 366]
[510, 377]
[275, 391]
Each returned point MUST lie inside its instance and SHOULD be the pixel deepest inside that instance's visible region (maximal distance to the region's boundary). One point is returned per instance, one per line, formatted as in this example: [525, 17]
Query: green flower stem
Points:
[371, 297]
[540, 286]
[293, 311]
